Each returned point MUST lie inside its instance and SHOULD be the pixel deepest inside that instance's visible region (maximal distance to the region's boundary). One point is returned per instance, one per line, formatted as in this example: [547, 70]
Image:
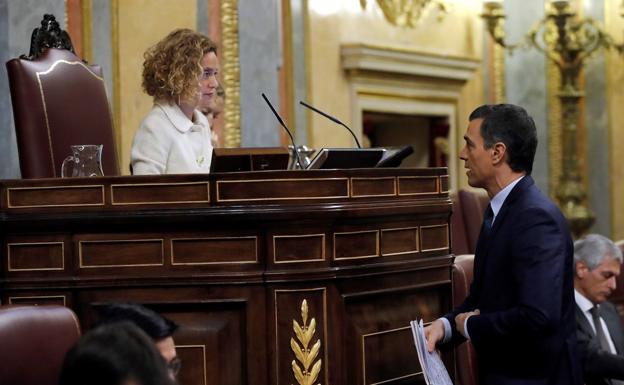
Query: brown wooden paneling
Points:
[378, 331]
[435, 237]
[386, 364]
[55, 196]
[271, 189]
[34, 256]
[418, 185]
[298, 248]
[121, 253]
[221, 250]
[160, 193]
[444, 183]
[60, 300]
[210, 342]
[399, 241]
[356, 244]
[237, 298]
[372, 187]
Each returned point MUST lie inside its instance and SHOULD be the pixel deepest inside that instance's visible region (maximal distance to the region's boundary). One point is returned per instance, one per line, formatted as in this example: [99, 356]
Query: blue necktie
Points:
[488, 218]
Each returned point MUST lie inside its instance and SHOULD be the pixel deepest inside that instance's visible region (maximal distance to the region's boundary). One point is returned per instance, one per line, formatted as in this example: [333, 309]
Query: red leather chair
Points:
[33, 343]
[58, 101]
[465, 355]
[468, 209]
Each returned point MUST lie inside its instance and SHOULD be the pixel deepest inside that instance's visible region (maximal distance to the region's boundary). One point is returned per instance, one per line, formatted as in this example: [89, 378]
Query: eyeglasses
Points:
[174, 366]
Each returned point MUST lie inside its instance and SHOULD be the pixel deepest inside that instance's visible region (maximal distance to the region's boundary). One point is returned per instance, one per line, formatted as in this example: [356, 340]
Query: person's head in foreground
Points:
[157, 327]
[114, 354]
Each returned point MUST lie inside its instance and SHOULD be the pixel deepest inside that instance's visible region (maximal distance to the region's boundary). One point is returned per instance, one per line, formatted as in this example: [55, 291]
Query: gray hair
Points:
[593, 249]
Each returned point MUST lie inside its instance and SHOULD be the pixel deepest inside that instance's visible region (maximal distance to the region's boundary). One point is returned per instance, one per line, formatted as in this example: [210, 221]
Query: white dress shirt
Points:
[496, 203]
[168, 142]
[586, 305]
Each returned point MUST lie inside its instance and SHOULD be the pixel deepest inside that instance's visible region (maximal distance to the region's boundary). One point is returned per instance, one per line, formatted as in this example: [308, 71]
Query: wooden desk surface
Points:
[237, 258]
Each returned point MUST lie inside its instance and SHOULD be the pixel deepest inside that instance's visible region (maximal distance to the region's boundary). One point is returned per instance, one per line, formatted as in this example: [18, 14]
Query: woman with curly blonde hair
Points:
[180, 73]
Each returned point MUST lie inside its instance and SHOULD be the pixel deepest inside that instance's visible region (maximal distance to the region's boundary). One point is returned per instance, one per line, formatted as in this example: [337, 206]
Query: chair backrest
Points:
[59, 101]
[34, 341]
[459, 239]
[465, 355]
[473, 206]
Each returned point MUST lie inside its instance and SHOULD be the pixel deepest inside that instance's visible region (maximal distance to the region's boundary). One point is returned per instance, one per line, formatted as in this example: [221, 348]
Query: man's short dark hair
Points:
[513, 126]
[153, 324]
[114, 354]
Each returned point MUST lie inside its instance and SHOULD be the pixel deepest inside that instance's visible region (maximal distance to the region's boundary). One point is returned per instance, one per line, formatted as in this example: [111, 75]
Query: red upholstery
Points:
[59, 101]
[459, 240]
[468, 209]
[465, 356]
[33, 343]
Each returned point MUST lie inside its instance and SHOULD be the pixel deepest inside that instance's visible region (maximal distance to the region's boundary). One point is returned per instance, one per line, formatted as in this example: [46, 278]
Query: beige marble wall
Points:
[334, 23]
[140, 24]
[614, 24]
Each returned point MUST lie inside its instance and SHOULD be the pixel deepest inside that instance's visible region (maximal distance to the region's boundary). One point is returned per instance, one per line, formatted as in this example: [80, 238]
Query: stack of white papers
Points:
[433, 368]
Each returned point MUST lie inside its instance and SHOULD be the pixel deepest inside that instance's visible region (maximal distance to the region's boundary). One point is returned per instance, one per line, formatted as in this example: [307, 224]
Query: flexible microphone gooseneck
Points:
[335, 120]
[281, 122]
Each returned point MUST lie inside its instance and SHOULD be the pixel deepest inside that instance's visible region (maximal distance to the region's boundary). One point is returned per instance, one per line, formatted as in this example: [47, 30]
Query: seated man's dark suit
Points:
[598, 364]
[523, 287]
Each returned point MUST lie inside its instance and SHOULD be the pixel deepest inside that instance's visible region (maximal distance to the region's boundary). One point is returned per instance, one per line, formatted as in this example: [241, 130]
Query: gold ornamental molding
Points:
[407, 13]
[303, 353]
[231, 72]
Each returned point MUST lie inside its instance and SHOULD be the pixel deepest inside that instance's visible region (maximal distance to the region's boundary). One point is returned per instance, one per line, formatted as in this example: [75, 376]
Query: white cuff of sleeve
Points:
[447, 330]
[466, 327]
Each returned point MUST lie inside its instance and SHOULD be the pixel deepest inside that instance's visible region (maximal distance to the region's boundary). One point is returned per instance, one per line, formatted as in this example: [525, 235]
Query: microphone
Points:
[332, 119]
[281, 122]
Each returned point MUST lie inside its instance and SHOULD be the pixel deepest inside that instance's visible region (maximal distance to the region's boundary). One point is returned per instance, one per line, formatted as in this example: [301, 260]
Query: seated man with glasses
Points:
[157, 327]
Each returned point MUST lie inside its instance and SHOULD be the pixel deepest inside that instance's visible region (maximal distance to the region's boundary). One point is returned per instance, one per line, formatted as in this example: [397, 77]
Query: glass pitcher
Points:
[86, 160]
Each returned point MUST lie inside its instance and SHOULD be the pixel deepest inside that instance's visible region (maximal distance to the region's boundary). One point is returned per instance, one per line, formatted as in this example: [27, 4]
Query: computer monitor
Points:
[330, 158]
[249, 159]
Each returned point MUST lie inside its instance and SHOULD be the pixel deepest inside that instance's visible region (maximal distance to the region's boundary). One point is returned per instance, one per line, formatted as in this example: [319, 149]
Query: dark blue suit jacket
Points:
[523, 286]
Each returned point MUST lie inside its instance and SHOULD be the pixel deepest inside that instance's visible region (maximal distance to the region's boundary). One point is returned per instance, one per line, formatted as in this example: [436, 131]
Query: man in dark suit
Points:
[519, 313]
[597, 263]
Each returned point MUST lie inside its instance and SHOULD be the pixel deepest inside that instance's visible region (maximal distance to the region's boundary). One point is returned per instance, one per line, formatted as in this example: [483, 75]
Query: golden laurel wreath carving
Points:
[305, 355]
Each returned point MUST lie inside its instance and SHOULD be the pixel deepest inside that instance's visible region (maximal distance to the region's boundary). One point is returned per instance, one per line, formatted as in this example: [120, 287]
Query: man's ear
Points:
[499, 151]
[581, 269]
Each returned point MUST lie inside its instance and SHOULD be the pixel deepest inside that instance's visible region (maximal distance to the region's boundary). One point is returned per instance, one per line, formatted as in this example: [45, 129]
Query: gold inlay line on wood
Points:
[445, 226]
[16, 189]
[9, 245]
[436, 181]
[363, 344]
[275, 237]
[440, 184]
[83, 266]
[121, 186]
[255, 260]
[203, 348]
[377, 254]
[394, 186]
[416, 246]
[220, 182]
[64, 298]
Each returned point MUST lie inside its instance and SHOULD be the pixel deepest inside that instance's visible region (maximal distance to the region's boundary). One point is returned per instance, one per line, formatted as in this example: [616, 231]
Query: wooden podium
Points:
[243, 260]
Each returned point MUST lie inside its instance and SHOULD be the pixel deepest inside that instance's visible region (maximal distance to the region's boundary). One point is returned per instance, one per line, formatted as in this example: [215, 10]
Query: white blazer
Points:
[167, 142]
